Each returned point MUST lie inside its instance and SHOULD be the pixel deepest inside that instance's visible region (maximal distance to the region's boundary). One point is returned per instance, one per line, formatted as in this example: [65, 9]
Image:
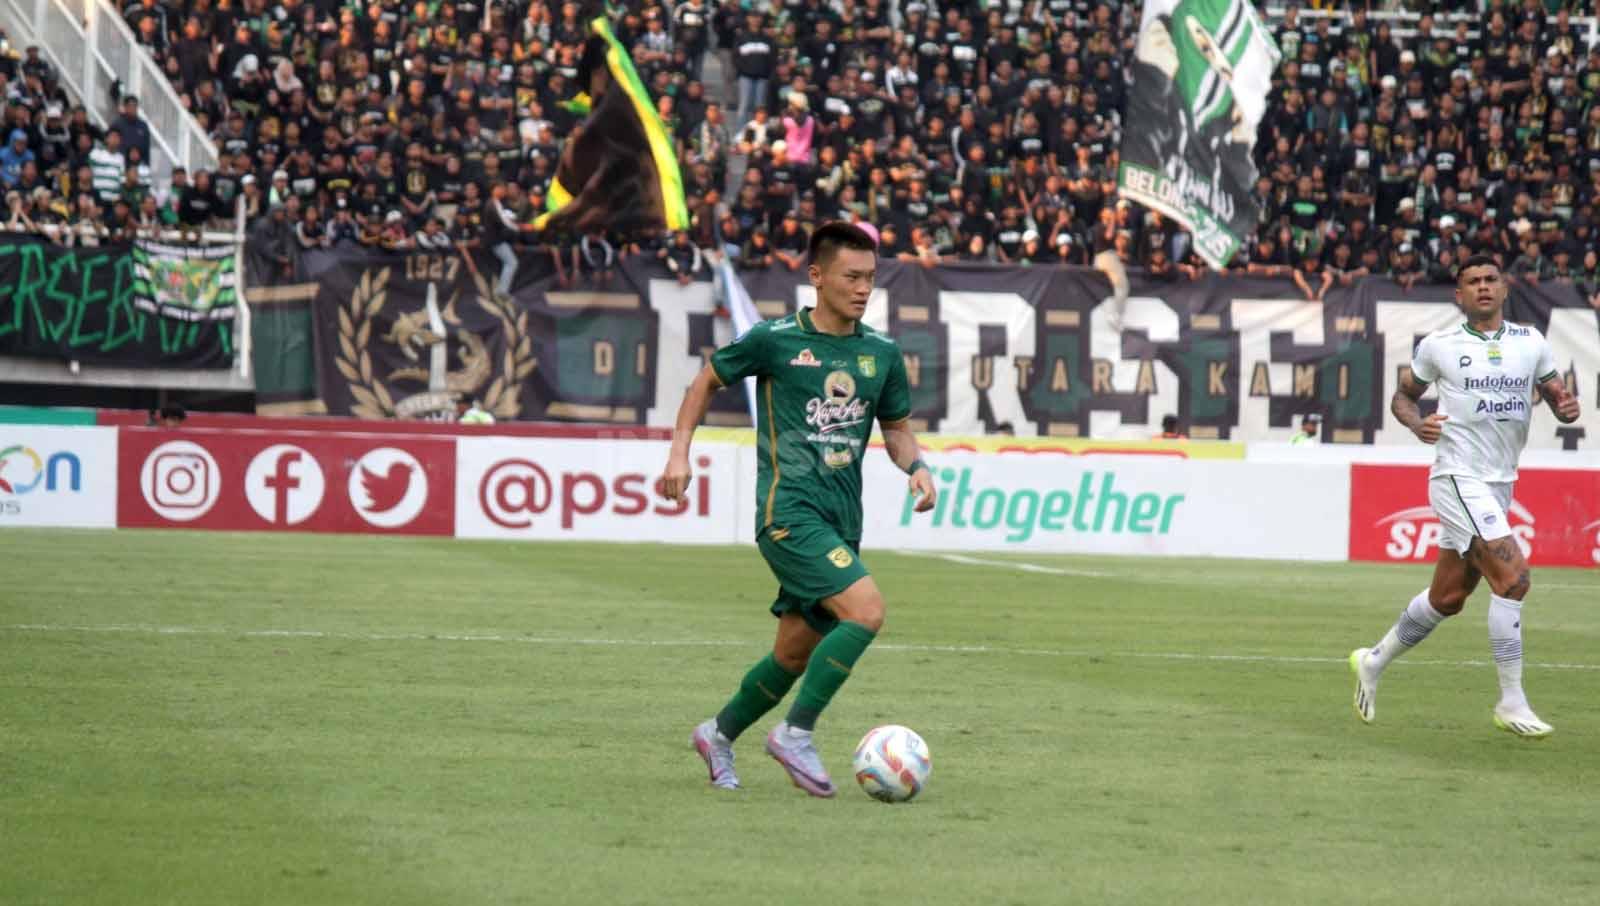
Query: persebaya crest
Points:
[428, 339]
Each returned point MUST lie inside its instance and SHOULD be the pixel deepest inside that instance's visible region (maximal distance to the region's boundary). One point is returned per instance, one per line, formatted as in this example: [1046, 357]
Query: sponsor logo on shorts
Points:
[805, 360]
[841, 557]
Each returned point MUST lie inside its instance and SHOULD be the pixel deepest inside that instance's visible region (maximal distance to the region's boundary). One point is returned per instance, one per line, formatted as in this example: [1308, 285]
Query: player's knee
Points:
[1519, 586]
[1448, 603]
[791, 659]
[868, 612]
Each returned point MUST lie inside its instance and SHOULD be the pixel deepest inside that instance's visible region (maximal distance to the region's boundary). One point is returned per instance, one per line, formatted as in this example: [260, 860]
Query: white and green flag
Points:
[186, 283]
[1201, 74]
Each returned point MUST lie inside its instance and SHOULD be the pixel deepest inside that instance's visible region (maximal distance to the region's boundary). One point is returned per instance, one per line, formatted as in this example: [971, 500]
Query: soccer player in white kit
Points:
[1487, 371]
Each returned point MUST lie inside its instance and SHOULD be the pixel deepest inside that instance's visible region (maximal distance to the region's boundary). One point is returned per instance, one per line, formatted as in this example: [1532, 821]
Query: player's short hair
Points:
[834, 235]
[1477, 260]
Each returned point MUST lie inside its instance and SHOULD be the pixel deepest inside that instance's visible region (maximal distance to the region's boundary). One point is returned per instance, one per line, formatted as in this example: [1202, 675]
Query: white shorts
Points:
[1467, 507]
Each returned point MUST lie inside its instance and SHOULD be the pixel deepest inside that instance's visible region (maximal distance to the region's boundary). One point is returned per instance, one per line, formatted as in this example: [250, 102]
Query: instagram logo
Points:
[180, 481]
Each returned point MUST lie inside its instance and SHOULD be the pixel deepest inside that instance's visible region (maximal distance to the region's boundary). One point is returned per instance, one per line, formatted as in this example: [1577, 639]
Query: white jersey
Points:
[1487, 387]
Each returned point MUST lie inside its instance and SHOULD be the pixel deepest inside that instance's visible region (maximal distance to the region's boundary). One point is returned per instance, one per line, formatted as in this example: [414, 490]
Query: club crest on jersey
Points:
[867, 365]
[1494, 353]
[805, 360]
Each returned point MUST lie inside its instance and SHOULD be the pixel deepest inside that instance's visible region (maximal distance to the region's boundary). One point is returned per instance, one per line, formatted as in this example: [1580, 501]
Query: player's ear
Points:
[814, 273]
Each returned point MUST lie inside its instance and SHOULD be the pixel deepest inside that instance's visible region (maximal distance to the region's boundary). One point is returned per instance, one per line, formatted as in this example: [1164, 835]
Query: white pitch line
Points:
[910, 648]
[1008, 564]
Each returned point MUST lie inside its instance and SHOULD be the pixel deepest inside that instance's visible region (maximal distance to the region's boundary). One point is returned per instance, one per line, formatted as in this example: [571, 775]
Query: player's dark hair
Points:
[834, 235]
[1477, 260]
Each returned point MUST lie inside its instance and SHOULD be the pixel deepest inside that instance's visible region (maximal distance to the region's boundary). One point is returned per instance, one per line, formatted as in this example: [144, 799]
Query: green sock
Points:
[827, 670]
[762, 688]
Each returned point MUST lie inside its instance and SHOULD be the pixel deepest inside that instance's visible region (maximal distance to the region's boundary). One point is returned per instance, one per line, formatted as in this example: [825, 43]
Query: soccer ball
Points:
[892, 763]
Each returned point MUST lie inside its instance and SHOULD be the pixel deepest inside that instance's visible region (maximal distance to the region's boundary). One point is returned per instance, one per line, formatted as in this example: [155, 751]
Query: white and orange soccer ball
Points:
[892, 763]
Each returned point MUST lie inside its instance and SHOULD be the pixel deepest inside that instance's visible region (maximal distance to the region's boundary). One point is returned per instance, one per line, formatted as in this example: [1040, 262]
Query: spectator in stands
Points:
[107, 165]
[131, 126]
[681, 257]
[13, 158]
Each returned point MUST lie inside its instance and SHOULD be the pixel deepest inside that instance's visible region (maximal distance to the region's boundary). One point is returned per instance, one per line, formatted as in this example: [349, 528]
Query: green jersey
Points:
[818, 395]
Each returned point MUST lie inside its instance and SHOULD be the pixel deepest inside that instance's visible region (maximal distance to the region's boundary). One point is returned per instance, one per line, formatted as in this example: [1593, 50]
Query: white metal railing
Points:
[1402, 22]
[91, 46]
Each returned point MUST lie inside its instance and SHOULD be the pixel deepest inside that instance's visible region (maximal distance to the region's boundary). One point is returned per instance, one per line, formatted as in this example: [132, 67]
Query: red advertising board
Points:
[285, 481]
[1555, 515]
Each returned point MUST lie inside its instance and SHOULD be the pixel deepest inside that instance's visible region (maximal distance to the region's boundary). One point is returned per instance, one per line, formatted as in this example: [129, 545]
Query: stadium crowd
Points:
[970, 131]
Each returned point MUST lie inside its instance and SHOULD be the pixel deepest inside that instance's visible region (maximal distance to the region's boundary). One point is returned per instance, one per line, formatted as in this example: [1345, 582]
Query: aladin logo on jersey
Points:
[805, 360]
[1097, 506]
[388, 487]
[1414, 532]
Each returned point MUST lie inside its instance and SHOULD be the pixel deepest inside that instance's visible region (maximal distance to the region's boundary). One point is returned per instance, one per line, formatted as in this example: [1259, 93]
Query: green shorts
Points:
[811, 562]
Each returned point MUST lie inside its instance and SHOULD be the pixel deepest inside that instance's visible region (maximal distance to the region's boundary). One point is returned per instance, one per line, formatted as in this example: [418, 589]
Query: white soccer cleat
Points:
[717, 753]
[1522, 721]
[1366, 700]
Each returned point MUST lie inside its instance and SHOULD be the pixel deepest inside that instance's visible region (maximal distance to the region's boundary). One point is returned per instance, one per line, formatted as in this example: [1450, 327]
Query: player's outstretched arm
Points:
[1408, 411]
[696, 401]
[1565, 406]
[901, 443]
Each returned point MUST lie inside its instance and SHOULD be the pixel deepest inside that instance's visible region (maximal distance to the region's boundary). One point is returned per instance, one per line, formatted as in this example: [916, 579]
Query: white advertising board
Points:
[58, 476]
[596, 490]
[1021, 502]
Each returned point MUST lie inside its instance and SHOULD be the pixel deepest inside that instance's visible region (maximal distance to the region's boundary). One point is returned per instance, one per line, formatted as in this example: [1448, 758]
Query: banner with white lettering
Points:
[1026, 350]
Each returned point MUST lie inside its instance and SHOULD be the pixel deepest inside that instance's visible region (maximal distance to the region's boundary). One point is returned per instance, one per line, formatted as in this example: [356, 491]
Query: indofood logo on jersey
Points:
[1098, 506]
[1501, 384]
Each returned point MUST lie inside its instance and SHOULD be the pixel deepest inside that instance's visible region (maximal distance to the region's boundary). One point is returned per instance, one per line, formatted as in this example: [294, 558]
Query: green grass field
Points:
[241, 719]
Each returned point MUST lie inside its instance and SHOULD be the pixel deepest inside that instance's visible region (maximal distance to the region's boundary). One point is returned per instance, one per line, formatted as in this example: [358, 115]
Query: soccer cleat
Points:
[717, 754]
[1522, 721]
[801, 760]
[1366, 700]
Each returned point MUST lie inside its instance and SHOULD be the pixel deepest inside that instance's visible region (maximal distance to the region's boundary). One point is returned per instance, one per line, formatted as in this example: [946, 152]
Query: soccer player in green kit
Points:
[823, 378]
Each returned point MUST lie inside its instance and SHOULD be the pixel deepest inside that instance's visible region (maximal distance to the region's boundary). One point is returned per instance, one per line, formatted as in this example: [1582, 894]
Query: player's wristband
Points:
[919, 464]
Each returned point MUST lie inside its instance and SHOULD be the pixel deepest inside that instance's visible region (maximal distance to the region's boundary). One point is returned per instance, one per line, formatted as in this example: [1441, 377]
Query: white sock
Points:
[1416, 621]
[1505, 643]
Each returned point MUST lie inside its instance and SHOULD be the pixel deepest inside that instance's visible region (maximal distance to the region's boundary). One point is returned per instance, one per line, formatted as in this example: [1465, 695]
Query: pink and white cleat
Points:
[717, 753]
[799, 757]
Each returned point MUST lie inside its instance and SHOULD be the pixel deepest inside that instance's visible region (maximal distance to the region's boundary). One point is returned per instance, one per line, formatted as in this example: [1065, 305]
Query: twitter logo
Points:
[388, 487]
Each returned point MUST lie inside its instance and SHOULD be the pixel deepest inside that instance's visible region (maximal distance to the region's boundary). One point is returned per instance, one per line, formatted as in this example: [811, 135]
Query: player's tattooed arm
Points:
[1407, 410]
[1563, 403]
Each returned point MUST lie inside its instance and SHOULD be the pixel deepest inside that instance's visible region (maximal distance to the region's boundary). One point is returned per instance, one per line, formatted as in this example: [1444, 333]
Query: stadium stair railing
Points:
[91, 47]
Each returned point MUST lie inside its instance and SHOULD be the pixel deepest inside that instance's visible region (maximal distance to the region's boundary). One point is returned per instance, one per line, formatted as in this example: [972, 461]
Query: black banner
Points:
[1032, 350]
[98, 306]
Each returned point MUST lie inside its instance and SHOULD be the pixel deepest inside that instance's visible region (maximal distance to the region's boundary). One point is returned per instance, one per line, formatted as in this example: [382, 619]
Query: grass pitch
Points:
[242, 719]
